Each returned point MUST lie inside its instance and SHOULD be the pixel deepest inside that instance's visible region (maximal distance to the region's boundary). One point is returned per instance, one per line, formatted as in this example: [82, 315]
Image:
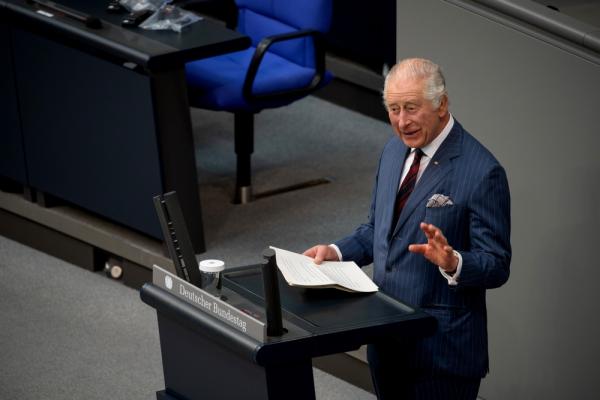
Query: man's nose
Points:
[403, 120]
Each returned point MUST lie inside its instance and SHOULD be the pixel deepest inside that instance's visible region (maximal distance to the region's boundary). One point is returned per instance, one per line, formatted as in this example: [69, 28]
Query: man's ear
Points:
[443, 108]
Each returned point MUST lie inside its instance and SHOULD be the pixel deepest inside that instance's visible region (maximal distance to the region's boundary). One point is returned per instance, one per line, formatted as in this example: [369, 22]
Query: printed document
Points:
[300, 270]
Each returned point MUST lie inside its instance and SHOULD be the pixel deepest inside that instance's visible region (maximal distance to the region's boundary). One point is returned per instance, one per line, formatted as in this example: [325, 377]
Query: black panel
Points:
[351, 309]
[364, 32]
[193, 364]
[354, 97]
[135, 275]
[48, 240]
[89, 131]
[12, 159]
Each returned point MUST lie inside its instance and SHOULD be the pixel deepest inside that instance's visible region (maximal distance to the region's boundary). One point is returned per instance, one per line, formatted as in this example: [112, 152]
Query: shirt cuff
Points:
[453, 279]
[337, 250]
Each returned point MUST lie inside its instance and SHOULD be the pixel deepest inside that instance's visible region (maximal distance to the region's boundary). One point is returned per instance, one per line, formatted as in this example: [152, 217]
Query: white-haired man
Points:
[438, 235]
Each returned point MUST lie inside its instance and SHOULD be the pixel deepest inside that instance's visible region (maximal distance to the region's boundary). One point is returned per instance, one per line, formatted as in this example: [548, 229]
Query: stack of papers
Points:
[300, 270]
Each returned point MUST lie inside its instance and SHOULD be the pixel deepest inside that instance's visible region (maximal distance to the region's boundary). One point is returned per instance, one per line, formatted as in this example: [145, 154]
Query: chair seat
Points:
[216, 83]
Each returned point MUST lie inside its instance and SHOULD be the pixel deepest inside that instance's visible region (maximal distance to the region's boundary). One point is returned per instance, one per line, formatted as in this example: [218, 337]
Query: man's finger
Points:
[319, 257]
[322, 254]
[417, 248]
[425, 228]
[440, 236]
[312, 252]
[429, 230]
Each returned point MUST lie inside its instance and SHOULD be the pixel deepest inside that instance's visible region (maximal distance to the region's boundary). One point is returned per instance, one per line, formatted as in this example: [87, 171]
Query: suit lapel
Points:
[436, 170]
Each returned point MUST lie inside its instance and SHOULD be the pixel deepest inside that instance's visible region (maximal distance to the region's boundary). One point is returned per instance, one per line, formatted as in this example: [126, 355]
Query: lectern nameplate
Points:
[208, 303]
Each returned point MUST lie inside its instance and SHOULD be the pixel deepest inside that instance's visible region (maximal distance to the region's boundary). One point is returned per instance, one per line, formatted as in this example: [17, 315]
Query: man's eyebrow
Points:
[398, 103]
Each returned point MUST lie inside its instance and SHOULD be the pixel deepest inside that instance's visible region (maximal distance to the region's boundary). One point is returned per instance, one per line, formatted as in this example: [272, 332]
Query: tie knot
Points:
[418, 154]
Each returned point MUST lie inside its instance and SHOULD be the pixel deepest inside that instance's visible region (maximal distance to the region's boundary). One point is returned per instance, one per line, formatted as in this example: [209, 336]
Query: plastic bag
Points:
[171, 17]
[138, 5]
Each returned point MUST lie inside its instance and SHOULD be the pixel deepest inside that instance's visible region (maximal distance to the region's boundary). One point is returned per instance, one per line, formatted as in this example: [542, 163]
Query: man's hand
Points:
[322, 252]
[437, 250]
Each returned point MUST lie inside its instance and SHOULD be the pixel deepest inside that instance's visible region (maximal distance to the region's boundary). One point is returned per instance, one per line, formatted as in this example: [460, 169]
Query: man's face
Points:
[413, 117]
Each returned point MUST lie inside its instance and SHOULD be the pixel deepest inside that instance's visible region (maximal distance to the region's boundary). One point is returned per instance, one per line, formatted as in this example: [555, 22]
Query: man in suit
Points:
[438, 235]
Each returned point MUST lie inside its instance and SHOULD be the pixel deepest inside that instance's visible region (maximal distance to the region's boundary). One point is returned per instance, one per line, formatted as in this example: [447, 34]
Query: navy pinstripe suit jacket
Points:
[477, 226]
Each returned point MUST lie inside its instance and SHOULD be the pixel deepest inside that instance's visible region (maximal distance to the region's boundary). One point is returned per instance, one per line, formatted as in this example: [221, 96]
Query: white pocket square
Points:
[439, 200]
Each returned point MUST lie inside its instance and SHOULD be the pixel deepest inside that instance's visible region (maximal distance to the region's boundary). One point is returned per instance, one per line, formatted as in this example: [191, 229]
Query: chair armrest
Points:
[262, 48]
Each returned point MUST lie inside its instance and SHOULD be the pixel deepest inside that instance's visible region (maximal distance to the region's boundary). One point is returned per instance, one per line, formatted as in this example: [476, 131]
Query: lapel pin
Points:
[435, 163]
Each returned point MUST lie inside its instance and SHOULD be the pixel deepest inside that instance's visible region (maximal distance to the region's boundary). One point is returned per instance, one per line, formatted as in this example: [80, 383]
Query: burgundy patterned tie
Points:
[407, 186]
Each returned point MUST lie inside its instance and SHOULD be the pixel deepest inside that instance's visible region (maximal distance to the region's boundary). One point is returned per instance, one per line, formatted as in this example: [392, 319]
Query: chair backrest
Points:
[261, 18]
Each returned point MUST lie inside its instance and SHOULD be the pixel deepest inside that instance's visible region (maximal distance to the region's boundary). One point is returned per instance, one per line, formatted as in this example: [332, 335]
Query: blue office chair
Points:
[285, 63]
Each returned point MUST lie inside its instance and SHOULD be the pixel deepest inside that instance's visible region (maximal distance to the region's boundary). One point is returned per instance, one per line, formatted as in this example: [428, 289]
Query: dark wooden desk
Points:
[206, 358]
[99, 117]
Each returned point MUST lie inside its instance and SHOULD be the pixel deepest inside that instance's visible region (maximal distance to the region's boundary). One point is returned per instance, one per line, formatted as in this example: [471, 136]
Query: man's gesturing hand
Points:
[322, 253]
[437, 250]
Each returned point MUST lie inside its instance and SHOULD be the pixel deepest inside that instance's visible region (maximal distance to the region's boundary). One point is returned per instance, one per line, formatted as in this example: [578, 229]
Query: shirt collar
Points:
[435, 144]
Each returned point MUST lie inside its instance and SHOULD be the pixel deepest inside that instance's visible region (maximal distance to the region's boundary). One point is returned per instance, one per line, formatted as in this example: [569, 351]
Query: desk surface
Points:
[151, 49]
[323, 310]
